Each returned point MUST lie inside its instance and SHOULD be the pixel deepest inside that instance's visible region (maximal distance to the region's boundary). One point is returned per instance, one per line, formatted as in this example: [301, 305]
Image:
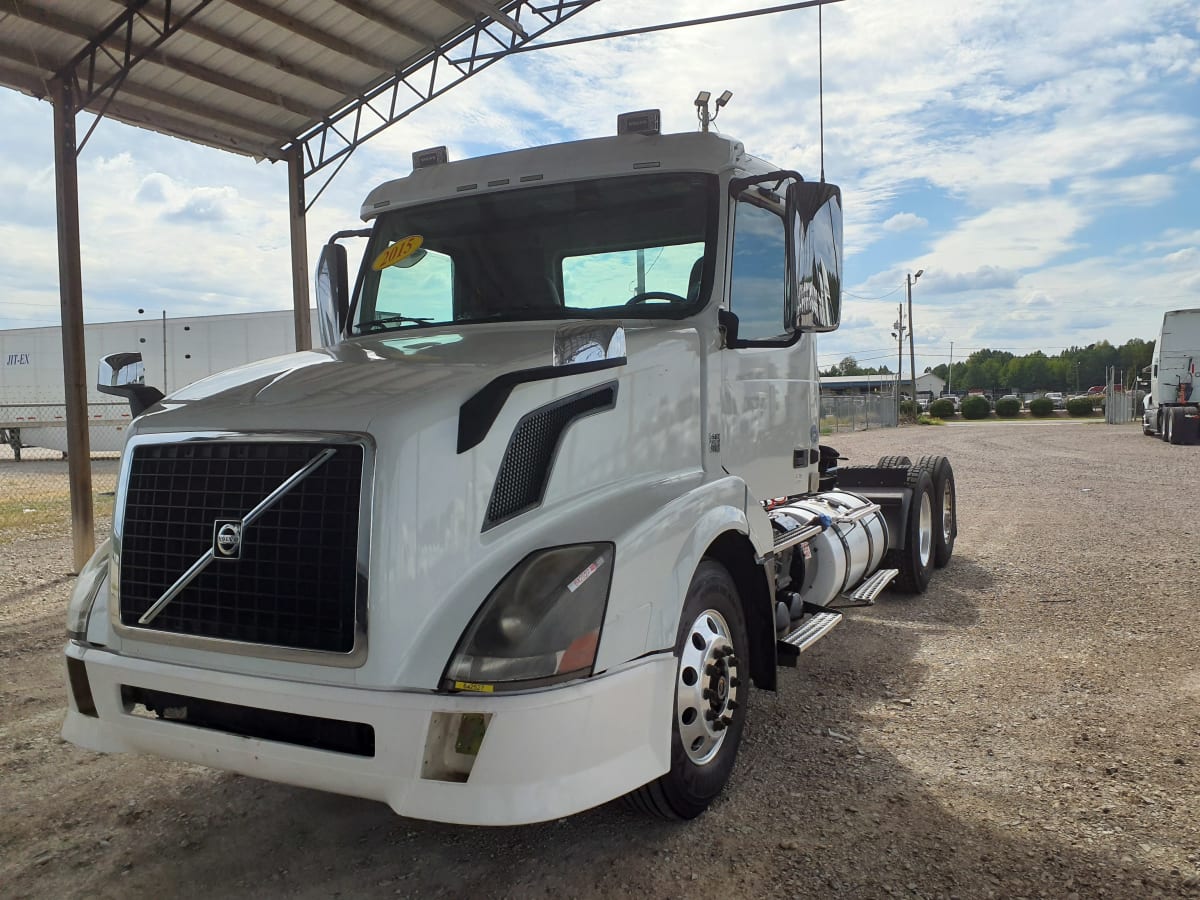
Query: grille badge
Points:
[227, 538]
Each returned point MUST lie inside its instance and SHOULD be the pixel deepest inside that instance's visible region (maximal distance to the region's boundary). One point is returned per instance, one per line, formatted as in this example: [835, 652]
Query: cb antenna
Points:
[821, 84]
[706, 118]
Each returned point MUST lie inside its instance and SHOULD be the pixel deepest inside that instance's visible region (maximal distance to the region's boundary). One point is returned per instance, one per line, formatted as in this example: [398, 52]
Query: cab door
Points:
[784, 284]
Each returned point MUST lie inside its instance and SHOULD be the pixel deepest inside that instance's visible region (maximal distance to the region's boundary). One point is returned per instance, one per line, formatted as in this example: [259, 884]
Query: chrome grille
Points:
[295, 582]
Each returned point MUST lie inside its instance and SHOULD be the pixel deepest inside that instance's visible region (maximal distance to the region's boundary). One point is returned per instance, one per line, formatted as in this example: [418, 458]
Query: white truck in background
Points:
[1172, 410]
[174, 352]
[519, 536]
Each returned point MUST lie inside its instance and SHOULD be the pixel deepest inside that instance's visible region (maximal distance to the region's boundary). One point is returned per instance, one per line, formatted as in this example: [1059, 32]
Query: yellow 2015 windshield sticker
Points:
[401, 250]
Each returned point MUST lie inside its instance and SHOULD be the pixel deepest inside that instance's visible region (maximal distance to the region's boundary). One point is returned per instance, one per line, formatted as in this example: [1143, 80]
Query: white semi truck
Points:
[520, 536]
[1172, 410]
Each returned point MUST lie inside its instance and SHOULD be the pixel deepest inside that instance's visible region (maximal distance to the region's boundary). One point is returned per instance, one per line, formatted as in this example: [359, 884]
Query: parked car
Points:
[1016, 397]
[1056, 398]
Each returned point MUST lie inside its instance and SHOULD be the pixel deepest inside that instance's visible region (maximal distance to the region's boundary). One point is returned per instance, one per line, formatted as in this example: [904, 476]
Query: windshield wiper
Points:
[388, 320]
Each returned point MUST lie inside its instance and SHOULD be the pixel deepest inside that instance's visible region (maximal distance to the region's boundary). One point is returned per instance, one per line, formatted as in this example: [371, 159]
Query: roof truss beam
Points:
[430, 76]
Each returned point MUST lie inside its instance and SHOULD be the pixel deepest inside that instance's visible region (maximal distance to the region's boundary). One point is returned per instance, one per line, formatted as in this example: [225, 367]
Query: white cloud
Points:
[904, 222]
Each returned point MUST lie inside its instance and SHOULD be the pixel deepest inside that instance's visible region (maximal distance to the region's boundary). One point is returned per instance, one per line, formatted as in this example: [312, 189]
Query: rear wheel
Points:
[1175, 425]
[915, 559]
[945, 507]
[894, 462]
[710, 699]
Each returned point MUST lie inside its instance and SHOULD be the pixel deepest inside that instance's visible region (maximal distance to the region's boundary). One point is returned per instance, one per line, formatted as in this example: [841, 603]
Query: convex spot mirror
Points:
[814, 215]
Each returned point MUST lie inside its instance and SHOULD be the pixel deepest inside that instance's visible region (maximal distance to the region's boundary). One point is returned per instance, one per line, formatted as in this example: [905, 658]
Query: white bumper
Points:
[545, 754]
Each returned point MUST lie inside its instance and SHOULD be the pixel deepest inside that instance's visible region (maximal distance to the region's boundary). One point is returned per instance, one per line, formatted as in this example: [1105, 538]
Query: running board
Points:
[789, 648]
[867, 591]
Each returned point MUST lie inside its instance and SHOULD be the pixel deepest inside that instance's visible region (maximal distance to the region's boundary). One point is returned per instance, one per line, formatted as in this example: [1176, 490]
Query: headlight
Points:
[87, 587]
[540, 624]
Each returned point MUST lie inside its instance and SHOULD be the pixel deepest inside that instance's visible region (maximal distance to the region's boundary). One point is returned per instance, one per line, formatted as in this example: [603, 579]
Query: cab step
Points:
[867, 591]
[810, 630]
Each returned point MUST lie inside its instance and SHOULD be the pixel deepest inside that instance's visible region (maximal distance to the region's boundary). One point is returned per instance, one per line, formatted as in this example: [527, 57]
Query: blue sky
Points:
[1040, 161]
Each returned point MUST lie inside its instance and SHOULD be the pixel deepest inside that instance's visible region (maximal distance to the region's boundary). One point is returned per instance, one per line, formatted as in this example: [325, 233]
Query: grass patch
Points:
[45, 508]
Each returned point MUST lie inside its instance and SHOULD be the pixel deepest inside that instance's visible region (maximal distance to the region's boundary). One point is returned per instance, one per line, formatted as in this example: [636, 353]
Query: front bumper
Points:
[545, 754]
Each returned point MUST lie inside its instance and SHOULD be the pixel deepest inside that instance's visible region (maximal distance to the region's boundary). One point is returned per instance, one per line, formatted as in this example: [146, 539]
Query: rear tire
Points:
[894, 462]
[711, 687]
[945, 507]
[915, 560]
[1174, 425]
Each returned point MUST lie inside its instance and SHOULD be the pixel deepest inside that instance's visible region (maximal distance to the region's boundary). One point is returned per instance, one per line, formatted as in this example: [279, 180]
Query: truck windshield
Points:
[633, 246]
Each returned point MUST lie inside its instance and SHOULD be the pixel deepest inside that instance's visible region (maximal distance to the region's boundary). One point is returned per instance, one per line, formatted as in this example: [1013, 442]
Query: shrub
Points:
[1080, 406]
[1041, 407]
[976, 407]
[942, 408]
[908, 411]
[1007, 408]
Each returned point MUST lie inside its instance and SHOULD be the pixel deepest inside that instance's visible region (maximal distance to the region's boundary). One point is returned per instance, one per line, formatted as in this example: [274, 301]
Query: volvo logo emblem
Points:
[227, 538]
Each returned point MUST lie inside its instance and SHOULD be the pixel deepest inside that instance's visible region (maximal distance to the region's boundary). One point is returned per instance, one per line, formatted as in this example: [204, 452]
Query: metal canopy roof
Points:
[260, 77]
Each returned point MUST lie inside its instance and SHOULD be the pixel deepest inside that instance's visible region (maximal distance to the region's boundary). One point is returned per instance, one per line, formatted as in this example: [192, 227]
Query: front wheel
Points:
[710, 699]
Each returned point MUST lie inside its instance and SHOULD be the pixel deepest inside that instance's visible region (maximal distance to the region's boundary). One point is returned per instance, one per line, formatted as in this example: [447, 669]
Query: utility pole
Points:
[950, 371]
[898, 334]
[912, 355]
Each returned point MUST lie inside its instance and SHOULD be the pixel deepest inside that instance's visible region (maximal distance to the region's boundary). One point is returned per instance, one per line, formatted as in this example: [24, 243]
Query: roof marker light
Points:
[644, 121]
[434, 156]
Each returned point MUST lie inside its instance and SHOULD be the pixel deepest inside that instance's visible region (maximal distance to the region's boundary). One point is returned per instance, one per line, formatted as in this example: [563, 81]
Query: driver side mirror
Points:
[814, 215]
[124, 375]
[333, 293]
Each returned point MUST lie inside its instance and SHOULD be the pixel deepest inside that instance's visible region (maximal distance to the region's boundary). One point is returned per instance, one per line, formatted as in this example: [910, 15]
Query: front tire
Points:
[711, 687]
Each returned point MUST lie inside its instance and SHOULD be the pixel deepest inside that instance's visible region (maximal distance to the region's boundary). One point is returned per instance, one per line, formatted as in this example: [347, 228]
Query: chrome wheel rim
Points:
[707, 687]
[925, 530]
[947, 514]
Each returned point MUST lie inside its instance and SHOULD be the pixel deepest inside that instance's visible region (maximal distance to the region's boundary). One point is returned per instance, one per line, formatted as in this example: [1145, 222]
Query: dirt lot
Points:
[1028, 728]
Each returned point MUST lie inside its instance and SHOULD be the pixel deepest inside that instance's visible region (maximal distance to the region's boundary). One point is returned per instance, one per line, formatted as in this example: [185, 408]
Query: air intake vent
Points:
[525, 469]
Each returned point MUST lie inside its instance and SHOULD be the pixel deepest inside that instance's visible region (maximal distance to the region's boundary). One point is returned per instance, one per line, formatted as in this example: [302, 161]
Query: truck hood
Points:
[437, 547]
[349, 386]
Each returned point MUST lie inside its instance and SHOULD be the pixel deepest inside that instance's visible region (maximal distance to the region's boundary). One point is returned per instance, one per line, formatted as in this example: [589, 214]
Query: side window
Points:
[759, 281]
[424, 289]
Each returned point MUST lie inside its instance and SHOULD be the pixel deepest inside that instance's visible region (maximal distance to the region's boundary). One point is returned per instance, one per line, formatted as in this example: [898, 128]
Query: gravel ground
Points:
[1030, 727]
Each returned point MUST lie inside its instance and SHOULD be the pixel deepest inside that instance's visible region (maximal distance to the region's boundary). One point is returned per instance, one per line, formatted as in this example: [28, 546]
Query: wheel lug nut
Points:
[719, 725]
[712, 670]
[709, 715]
[724, 721]
[707, 694]
[734, 682]
[732, 704]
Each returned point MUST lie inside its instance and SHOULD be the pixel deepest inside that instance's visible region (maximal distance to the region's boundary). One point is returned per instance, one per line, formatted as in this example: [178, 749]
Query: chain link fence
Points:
[35, 492]
[857, 412]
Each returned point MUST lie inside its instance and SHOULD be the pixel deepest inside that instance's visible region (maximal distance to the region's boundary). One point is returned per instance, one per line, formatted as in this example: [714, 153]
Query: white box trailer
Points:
[175, 352]
[1172, 407]
[519, 536]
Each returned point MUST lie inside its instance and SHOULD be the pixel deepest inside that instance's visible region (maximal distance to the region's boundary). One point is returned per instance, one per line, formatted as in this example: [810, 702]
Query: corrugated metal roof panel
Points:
[250, 76]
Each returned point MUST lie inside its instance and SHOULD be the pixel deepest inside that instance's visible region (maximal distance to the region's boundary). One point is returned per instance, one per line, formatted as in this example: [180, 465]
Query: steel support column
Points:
[299, 232]
[70, 288]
